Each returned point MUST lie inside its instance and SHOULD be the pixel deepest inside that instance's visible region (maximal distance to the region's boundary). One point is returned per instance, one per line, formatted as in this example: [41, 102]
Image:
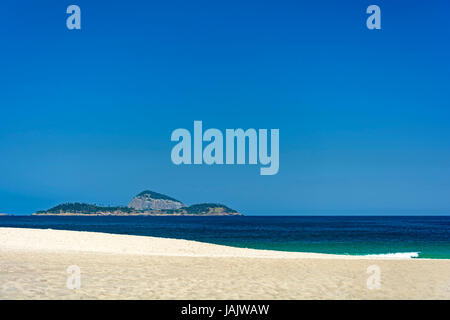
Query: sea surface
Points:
[412, 237]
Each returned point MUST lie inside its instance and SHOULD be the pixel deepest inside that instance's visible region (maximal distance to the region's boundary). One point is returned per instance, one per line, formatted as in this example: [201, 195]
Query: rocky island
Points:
[148, 203]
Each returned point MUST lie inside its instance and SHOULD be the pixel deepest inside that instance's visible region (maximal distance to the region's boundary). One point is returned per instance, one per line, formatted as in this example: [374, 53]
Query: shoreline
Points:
[55, 240]
[78, 241]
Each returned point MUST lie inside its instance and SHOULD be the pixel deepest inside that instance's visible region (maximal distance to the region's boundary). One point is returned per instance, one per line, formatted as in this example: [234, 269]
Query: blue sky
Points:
[364, 116]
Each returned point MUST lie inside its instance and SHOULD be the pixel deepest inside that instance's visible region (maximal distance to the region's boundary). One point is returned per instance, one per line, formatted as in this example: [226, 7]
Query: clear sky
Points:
[364, 115]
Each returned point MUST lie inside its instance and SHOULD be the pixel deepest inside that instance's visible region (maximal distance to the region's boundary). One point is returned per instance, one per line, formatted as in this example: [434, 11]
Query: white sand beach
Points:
[34, 262]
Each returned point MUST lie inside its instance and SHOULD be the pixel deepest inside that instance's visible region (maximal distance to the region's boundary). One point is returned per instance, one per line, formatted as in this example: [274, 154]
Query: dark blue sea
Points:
[422, 237]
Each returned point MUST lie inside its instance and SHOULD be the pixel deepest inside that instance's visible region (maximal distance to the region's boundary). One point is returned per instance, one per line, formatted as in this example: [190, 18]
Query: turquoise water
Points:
[423, 237]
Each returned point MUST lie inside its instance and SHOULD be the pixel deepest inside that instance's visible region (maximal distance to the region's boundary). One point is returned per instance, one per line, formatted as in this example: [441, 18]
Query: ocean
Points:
[407, 236]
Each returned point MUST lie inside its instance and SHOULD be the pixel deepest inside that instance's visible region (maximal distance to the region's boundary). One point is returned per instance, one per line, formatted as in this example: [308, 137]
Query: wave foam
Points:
[398, 255]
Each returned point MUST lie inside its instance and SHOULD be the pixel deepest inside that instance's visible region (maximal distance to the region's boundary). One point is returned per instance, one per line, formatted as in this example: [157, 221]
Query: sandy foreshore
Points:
[34, 263]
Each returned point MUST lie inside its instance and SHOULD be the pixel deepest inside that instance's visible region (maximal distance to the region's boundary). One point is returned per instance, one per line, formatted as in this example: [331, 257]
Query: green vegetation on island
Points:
[84, 208]
[204, 208]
